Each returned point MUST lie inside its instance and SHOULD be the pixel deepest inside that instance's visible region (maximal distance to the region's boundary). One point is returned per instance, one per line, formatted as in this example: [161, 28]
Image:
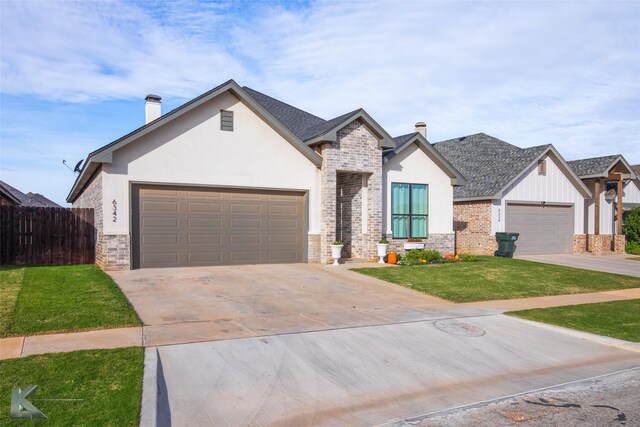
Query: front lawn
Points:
[60, 299]
[617, 319]
[89, 388]
[493, 278]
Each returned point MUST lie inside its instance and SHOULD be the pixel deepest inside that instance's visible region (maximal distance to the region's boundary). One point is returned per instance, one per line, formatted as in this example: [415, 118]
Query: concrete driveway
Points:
[618, 264]
[316, 345]
[185, 305]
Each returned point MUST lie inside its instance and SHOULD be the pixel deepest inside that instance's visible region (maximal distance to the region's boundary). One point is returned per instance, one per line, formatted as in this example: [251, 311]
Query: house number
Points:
[115, 210]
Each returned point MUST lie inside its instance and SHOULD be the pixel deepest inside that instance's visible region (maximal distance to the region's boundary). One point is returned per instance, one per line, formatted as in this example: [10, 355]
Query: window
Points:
[409, 210]
[542, 167]
[226, 120]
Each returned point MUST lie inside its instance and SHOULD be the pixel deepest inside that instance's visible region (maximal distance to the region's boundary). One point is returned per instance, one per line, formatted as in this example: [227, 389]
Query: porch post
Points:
[619, 206]
[365, 204]
[596, 218]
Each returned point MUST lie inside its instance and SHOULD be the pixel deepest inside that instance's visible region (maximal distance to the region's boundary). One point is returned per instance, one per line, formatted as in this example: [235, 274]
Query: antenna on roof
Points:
[76, 168]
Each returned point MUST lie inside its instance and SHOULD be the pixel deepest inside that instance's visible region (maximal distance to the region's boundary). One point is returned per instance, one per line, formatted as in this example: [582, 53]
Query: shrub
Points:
[632, 225]
[469, 258]
[337, 242]
[384, 242]
[632, 248]
[415, 256]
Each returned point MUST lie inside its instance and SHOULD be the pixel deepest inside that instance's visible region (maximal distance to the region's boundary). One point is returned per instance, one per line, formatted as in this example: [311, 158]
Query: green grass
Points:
[108, 384]
[617, 319]
[635, 258]
[60, 299]
[493, 278]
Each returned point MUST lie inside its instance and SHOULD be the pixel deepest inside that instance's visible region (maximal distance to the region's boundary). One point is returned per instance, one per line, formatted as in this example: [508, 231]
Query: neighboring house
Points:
[12, 196]
[532, 191]
[237, 177]
[606, 177]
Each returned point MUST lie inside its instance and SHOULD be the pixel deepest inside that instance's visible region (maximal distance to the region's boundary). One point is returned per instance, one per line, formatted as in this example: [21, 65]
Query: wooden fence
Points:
[46, 236]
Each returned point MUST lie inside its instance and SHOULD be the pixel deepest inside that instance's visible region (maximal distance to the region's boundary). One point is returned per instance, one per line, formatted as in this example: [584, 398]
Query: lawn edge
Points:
[589, 336]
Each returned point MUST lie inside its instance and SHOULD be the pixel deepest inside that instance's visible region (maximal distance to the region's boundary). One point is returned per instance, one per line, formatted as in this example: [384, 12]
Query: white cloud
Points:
[528, 72]
[79, 51]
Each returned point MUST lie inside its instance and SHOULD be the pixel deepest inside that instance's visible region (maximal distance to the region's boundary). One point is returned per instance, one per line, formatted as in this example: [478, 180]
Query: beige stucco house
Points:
[237, 177]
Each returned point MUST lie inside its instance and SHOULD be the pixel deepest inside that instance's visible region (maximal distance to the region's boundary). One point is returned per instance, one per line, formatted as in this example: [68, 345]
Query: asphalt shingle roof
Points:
[29, 199]
[487, 163]
[592, 166]
[400, 141]
[302, 124]
[294, 119]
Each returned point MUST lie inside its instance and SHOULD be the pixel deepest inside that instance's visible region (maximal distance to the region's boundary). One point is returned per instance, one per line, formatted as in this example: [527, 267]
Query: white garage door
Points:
[544, 229]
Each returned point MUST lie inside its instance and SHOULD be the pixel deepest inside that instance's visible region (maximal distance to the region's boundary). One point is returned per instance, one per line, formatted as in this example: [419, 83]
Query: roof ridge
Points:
[596, 158]
[247, 88]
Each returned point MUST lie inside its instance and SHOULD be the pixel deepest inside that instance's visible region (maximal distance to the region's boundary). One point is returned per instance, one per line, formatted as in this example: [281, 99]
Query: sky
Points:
[74, 75]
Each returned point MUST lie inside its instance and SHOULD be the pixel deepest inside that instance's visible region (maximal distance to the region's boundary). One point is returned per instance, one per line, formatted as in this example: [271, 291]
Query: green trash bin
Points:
[506, 242]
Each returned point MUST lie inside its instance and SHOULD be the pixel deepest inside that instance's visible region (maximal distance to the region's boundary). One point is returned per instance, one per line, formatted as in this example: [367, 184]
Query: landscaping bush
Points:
[632, 248]
[427, 256]
[632, 226]
[468, 258]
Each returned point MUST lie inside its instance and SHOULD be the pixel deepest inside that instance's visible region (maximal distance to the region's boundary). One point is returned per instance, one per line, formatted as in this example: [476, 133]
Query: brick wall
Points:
[356, 151]
[114, 251]
[349, 214]
[313, 248]
[442, 242]
[91, 197]
[472, 228]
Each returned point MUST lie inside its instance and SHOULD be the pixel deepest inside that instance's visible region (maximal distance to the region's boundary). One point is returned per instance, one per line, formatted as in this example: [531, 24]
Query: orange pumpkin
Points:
[392, 258]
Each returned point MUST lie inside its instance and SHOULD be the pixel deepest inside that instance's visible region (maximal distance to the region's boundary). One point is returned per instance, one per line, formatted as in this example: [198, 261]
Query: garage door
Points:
[543, 228]
[177, 226]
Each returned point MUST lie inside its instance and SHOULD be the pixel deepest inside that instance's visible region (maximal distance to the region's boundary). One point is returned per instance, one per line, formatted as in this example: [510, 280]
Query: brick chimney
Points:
[422, 128]
[152, 108]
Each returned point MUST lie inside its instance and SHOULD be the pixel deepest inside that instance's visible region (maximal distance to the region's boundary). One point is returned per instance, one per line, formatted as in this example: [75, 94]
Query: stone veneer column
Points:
[579, 243]
[356, 151]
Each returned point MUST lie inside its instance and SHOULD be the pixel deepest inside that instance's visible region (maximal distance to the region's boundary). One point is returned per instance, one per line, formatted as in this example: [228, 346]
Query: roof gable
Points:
[405, 141]
[599, 167]
[105, 154]
[313, 129]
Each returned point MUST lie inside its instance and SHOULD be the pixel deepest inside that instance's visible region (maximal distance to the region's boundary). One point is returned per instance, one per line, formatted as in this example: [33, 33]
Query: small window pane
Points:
[400, 199]
[419, 199]
[400, 227]
[418, 226]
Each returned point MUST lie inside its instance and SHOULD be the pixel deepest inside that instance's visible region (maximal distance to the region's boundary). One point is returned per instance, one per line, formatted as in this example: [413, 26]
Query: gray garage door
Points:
[544, 229]
[176, 226]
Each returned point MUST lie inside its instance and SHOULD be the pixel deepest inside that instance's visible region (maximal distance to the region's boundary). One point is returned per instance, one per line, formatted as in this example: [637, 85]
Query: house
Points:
[237, 177]
[611, 180]
[532, 191]
[14, 197]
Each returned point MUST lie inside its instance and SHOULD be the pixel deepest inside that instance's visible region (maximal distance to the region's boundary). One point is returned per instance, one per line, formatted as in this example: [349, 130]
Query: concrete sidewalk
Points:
[14, 347]
[557, 300]
[217, 330]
